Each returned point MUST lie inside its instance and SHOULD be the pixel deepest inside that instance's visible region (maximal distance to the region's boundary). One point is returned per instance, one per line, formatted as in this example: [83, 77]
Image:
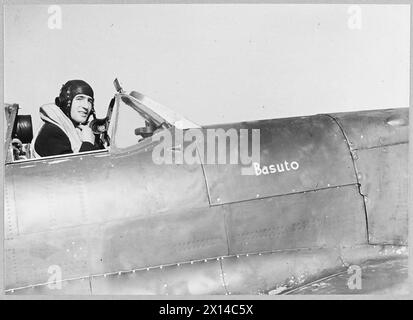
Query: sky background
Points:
[213, 63]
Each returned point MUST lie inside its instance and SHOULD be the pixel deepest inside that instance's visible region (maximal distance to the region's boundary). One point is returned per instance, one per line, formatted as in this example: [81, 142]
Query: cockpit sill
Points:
[60, 157]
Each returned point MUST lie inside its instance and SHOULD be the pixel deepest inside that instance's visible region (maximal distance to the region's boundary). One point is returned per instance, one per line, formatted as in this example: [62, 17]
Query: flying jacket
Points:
[58, 135]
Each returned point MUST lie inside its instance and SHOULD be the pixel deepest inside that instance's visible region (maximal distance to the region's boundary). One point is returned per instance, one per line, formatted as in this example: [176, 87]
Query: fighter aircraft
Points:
[327, 198]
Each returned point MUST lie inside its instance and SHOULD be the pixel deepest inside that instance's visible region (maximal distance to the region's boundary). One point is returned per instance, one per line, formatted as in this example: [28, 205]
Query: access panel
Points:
[296, 155]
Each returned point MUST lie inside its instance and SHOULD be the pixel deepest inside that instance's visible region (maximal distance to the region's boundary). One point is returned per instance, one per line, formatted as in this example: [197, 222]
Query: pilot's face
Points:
[81, 107]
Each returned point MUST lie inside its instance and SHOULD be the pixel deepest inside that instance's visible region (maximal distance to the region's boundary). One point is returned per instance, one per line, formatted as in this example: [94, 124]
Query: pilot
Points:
[65, 128]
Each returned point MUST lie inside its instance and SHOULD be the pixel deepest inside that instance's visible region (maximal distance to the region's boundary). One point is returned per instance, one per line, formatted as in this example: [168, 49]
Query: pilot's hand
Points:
[86, 134]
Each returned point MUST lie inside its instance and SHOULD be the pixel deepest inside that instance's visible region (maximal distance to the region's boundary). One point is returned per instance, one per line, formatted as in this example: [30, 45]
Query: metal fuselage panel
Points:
[316, 205]
[374, 128]
[331, 217]
[378, 141]
[384, 185]
[306, 153]
[100, 213]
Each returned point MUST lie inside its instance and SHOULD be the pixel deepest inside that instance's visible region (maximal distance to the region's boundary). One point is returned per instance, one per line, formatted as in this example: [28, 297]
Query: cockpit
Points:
[130, 119]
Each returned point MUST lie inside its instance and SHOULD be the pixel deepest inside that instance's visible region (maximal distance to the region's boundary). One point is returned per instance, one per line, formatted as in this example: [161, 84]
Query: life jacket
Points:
[53, 114]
